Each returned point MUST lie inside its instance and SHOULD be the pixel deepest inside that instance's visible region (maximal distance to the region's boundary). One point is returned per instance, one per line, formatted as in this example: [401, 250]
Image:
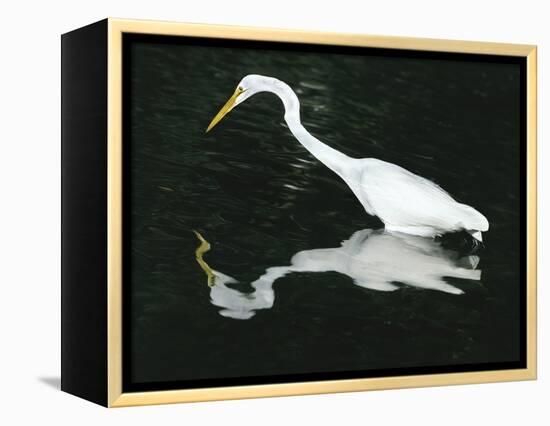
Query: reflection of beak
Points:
[229, 105]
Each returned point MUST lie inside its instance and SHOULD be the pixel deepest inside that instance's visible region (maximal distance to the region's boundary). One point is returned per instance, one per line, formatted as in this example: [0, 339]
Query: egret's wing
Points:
[401, 198]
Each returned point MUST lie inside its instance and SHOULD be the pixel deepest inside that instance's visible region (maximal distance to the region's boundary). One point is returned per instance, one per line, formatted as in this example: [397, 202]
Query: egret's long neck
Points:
[330, 157]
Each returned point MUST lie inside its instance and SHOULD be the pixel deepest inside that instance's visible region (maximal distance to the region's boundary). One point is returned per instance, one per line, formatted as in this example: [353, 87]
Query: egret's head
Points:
[248, 86]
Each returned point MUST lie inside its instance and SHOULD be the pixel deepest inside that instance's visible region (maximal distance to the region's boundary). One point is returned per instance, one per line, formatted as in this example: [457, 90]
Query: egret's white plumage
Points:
[404, 201]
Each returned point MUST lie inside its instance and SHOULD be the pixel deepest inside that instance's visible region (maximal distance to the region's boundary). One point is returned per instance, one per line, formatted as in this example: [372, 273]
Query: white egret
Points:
[375, 260]
[404, 201]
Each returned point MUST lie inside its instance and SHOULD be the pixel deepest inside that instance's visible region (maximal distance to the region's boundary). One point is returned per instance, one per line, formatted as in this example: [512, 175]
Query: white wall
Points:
[29, 233]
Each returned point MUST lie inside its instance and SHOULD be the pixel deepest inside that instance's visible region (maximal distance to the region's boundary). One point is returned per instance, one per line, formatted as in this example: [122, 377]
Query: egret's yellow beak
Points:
[229, 105]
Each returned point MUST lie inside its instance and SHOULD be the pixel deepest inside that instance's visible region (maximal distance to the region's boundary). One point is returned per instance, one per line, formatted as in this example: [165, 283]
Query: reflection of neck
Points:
[330, 157]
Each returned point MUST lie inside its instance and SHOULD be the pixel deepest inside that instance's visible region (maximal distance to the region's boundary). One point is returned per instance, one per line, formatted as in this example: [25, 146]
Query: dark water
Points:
[259, 198]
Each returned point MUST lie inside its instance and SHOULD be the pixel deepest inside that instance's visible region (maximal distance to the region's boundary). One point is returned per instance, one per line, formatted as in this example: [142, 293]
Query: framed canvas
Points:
[255, 212]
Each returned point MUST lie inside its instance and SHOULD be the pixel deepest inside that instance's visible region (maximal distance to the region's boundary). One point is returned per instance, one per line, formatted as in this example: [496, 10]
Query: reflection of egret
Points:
[376, 260]
[405, 202]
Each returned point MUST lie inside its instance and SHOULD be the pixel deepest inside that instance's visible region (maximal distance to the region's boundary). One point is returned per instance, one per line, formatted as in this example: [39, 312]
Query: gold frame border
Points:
[116, 27]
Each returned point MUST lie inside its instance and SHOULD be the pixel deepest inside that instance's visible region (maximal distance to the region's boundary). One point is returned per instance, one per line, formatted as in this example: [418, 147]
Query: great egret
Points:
[373, 259]
[404, 201]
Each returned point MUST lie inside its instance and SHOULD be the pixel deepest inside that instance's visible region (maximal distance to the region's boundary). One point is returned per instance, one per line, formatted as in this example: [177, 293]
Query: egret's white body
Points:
[404, 201]
[375, 260]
